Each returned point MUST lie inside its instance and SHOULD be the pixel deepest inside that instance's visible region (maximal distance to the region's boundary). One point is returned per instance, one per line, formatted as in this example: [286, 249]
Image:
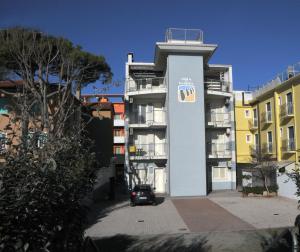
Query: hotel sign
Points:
[186, 90]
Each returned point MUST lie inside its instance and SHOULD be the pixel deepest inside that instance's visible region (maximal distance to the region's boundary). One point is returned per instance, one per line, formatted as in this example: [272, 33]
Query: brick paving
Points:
[203, 215]
[260, 212]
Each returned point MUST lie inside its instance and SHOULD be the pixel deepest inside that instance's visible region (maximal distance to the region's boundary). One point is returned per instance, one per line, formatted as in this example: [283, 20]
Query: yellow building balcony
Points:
[254, 150]
[266, 118]
[268, 149]
[253, 124]
[287, 110]
[288, 146]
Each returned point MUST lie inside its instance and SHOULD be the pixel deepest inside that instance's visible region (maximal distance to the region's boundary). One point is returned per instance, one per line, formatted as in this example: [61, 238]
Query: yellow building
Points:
[267, 120]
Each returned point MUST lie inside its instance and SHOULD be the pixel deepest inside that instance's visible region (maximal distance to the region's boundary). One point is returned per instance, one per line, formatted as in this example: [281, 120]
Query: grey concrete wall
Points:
[187, 158]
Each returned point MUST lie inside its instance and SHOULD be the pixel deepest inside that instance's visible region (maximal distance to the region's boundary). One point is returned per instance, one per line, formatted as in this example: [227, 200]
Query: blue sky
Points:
[259, 38]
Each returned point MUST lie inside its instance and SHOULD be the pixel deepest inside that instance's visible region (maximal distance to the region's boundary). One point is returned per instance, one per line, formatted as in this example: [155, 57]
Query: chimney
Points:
[130, 57]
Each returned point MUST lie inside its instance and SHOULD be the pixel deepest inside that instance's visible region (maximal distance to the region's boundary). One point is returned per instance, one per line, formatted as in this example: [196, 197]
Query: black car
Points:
[142, 194]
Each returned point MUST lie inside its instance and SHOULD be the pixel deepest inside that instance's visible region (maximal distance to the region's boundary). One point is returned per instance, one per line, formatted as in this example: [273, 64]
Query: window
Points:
[118, 116]
[118, 150]
[291, 138]
[255, 113]
[118, 132]
[248, 138]
[247, 113]
[219, 172]
[270, 142]
[281, 132]
[255, 121]
[289, 103]
[268, 112]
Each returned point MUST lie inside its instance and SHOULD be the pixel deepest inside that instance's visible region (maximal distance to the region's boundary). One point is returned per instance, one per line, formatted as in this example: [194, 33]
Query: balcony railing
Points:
[177, 35]
[119, 122]
[288, 145]
[148, 151]
[218, 119]
[119, 139]
[217, 85]
[267, 148]
[219, 150]
[287, 110]
[254, 150]
[253, 124]
[157, 117]
[266, 117]
[146, 85]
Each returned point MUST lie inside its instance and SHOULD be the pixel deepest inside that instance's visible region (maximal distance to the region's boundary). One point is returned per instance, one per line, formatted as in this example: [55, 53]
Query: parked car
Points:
[142, 194]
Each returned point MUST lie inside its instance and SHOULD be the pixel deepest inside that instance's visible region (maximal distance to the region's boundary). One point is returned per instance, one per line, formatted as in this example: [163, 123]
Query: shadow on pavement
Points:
[161, 243]
[100, 209]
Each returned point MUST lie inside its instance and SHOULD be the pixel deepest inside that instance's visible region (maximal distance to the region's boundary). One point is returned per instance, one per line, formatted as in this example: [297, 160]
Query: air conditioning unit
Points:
[228, 130]
[130, 99]
[130, 131]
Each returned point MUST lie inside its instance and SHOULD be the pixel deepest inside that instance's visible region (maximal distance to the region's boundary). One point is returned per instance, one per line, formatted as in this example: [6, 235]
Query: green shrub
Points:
[259, 189]
[40, 197]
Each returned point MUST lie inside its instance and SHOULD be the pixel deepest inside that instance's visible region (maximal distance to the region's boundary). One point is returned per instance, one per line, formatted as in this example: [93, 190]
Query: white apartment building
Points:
[179, 118]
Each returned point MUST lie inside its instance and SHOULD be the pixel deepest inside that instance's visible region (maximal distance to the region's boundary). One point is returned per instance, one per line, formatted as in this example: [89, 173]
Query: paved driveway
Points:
[260, 212]
[221, 211]
[139, 220]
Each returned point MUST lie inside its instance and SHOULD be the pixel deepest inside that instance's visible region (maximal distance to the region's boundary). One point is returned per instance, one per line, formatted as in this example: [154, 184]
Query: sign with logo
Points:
[186, 90]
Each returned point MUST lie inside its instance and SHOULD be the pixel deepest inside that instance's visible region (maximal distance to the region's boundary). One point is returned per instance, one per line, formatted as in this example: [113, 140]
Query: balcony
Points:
[155, 119]
[219, 150]
[119, 139]
[217, 87]
[118, 122]
[147, 87]
[266, 118]
[253, 124]
[288, 146]
[254, 150]
[267, 148]
[184, 36]
[287, 110]
[148, 151]
[218, 120]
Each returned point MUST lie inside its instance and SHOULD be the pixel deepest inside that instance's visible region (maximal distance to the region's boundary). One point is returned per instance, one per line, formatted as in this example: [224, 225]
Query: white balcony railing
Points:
[219, 150]
[177, 35]
[119, 122]
[155, 118]
[119, 139]
[217, 85]
[147, 85]
[218, 119]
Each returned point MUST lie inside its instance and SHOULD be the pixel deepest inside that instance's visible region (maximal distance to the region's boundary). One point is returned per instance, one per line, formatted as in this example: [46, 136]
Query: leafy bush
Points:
[259, 189]
[40, 197]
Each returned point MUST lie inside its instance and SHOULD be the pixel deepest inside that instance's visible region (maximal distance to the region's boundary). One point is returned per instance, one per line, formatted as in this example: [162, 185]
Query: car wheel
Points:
[154, 203]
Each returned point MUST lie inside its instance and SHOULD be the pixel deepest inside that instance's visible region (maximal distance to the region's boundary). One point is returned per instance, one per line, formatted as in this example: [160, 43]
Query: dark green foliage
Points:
[40, 198]
[31, 54]
[259, 189]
